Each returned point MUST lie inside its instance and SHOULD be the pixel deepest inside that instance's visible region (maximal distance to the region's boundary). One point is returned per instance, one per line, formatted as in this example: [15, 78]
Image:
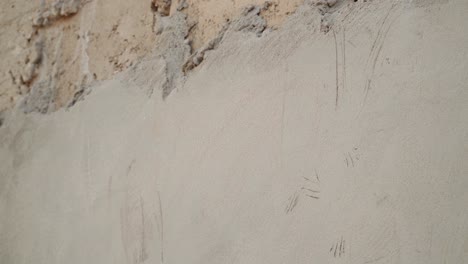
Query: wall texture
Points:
[340, 137]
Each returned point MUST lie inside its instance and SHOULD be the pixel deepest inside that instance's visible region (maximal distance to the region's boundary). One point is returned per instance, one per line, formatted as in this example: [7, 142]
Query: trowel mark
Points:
[292, 202]
[336, 70]
[161, 227]
[376, 49]
[307, 189]
[343, 46]
[143, 254]
[338, 249]
[283, 108]
[88, 168]
[133, 227]
[337, 65]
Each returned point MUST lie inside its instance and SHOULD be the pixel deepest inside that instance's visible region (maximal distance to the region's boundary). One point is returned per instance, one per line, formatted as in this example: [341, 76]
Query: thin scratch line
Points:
[88, 168]
[344, 246]
[336, 70]
[344, 59]
[374, 260]
[143, 234]
[162, 227]
[375, 53]
[310, 190]
[341, 246]
[282, 126]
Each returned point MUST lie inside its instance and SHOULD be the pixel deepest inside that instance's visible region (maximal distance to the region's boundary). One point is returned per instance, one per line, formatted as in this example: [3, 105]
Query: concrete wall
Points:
[338, 143]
